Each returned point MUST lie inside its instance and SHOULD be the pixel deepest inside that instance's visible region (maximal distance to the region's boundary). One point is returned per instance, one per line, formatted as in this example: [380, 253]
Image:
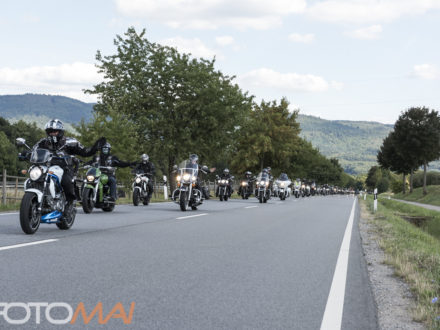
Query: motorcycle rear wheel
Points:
[65, 224]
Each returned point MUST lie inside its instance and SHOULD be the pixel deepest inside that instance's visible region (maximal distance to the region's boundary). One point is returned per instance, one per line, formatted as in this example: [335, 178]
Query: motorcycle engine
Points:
[56, 204]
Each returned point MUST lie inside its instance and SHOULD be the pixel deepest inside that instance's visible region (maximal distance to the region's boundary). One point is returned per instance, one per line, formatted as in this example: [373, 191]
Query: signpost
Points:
[375, 199]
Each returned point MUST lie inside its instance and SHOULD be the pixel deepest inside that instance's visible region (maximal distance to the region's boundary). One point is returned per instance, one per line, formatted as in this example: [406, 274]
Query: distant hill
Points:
[354, 143]
[36, 105]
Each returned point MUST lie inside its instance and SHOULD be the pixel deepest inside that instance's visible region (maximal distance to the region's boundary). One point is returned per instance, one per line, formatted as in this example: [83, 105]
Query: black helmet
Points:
[226, 171]
[105, 149]
[145, 158]
[194, 158]
[54, 125]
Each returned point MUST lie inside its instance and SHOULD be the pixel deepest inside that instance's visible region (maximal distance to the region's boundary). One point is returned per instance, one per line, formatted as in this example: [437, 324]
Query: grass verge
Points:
[433, 196]
[413, 252]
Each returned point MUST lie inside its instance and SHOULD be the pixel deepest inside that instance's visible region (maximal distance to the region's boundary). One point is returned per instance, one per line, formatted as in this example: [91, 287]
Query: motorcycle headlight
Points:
[90, 178]
[35, 173]
[194, 178]
[282, 184]
[223, 181]
[178, 178]
[186, 177]
[262, 183]
[138, 180]
[267, 183]
[244, 183]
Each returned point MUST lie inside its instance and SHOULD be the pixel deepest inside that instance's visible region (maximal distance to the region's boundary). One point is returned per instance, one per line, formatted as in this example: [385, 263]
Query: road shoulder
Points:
[393, 298]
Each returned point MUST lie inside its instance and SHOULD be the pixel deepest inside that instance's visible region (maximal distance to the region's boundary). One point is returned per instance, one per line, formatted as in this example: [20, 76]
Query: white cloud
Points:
[224, 40]
[369, 11]
[268, 78]
[426, 71]
[368, 33]
[65, 79]
[194, 46]
[212, 14]
[304, 38]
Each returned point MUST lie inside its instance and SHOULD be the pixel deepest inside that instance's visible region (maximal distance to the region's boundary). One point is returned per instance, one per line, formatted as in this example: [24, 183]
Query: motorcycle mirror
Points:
[20, 141]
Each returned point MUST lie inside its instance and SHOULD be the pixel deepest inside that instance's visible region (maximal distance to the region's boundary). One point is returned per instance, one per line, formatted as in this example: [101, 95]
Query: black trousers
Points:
[68, 186]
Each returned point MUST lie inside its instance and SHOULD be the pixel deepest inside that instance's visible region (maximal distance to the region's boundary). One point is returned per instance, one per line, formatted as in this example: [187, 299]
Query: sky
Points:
[336, 59]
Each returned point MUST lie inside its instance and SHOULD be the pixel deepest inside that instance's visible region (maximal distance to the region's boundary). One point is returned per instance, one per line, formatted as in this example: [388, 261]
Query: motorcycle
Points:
[283, 187]
[263, 190]
[44, 200]
[224, 188]
[313, 188]
[141, 189]
[245, 189]
[297, 188]
[96, 191]
[187, 194]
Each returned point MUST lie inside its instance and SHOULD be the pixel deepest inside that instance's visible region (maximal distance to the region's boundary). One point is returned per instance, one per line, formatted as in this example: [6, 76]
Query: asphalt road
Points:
[236, 265]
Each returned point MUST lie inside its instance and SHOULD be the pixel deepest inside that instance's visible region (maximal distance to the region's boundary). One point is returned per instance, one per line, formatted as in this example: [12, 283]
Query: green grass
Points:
[413, 251]
[433, 196]
[9, 207]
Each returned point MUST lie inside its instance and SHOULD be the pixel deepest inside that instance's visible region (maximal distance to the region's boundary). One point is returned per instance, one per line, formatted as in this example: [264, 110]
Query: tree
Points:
[394, 156]
[175, 105]
[269, 137]
[418, 131]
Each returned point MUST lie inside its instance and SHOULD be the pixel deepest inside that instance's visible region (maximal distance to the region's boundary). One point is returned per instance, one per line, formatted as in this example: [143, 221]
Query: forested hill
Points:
[32, 106]
[354, 143]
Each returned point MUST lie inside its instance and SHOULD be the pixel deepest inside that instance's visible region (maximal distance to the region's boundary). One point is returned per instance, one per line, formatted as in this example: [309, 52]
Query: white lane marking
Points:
[27, 244]
[250, 207]
[192, 216]
[9, 213]
[335, 303]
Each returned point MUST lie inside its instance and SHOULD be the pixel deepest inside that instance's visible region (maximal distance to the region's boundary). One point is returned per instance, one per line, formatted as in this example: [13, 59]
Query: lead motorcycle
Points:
[186, 194]
[44, 199]
[263, 189]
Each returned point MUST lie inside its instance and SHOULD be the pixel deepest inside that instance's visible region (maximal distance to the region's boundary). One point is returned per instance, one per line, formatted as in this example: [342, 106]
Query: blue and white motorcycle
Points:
[44, 200]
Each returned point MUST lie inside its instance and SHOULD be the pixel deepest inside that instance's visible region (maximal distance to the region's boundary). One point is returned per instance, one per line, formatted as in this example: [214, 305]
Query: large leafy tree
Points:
[269, 137]
[175, 104]
[418, 131]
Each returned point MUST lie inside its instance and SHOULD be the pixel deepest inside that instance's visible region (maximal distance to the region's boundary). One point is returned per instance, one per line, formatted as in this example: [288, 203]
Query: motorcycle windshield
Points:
[187, 171]
[40, 156]
[263, 177]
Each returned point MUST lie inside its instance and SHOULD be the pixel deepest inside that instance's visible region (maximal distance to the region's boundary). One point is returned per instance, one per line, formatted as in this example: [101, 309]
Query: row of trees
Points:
[414, 142]
[158, 101]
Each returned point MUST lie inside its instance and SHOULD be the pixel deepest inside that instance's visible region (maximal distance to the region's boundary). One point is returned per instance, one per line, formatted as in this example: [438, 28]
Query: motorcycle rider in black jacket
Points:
[225, 176]
[146, 167]
[106, 159]
[56, 142]
[247, 177]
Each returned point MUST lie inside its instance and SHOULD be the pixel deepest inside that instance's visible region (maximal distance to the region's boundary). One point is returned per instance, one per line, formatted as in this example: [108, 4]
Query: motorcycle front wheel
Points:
[136, 197]
[29, 217]
[183, 202]
[87, 200]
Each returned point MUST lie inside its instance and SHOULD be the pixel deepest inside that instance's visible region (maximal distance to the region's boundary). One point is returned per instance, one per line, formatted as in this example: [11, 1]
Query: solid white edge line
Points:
[27, 244]
[192, 216]
[250, 207]
[335, 303]
[8, 213]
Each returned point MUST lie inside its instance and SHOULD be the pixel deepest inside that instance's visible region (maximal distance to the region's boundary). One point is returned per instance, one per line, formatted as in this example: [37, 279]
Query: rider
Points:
[146, 167]
[247, 177]
[106, 159]
[225, 176]
[56, 143]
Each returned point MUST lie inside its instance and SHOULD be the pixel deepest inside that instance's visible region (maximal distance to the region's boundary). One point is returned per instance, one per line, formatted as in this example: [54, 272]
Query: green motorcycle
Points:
[96, 191]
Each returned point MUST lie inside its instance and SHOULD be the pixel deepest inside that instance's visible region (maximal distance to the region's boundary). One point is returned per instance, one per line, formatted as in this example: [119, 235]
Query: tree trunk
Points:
[424, 178]
[411, 182]
[404, 184]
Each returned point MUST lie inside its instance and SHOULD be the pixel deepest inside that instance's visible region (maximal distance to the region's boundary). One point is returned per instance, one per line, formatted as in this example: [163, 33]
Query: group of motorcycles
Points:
[44, 200]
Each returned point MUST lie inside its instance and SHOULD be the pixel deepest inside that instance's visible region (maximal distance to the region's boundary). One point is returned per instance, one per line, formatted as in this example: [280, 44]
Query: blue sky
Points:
[337, 59]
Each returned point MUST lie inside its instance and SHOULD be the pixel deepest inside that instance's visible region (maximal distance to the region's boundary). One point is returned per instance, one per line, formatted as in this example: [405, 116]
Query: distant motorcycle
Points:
[263, 189]
[141, 189]
[245, 189]
[283, 189]
[224, 188]
[187, 195]
[297, 188]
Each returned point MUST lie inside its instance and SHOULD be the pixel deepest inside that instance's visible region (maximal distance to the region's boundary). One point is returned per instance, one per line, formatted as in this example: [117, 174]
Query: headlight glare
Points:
[35, 173]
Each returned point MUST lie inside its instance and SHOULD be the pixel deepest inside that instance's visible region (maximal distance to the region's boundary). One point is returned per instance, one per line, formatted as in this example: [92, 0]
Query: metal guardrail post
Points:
[4, 187]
